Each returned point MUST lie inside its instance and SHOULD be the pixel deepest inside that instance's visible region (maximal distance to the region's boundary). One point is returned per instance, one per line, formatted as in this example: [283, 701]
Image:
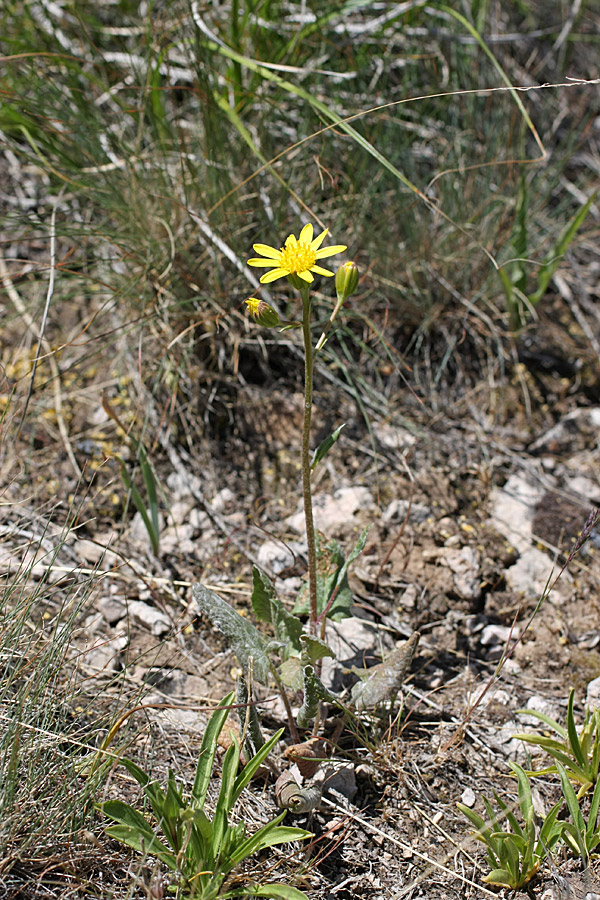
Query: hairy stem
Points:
[306, 487]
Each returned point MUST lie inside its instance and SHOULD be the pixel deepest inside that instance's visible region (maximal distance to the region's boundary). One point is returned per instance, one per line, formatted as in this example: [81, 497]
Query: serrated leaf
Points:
[268, 608]
[245, 640]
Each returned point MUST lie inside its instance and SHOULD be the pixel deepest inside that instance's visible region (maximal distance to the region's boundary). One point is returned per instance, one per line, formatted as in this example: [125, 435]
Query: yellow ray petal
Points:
[272, 276]
[329, 251]
[306, 235]
[306, 276]
[263, 262]
[319, 240]
[265, 250]
[320, 271]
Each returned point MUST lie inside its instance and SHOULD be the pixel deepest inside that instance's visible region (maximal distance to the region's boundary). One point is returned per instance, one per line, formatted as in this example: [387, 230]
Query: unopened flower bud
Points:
[262, 313]
[346, 281]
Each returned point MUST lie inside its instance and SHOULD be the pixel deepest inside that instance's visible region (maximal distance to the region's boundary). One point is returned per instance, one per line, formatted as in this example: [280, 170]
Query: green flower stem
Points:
[323, 339]
[306, 487]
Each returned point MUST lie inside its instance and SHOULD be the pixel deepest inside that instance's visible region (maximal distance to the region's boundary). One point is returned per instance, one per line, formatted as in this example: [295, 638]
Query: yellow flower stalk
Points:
[298, 256]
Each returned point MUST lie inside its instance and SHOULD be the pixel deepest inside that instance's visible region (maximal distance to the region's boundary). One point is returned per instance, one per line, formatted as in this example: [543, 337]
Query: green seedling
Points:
[577, 752]
[580, 837]
[514, 854]
[203, 851]
[149, 512]
[514, 275]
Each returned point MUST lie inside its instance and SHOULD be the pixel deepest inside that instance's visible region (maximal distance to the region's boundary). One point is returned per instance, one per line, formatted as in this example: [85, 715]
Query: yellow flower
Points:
[298, 257]
[262, 312]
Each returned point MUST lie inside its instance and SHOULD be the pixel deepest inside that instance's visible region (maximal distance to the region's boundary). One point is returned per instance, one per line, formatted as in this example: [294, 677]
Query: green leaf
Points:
[268, 608]
[134, 770]
[269, 836]
[592, 825]
[334, 597]
[254, 764]
[552, 723]
[313, 648]
[126, 815]
[553, 261]
[290, 672]
[130, 836]
[208, 751]
[245, 640]
[501, 877]
[278, 891]
[150, 525]
[225, 802]
[324, 447]
[573, 736]
[578, 825]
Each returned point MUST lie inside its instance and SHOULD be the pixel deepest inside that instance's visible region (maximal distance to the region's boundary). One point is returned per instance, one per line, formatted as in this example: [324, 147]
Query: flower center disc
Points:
[298, 259]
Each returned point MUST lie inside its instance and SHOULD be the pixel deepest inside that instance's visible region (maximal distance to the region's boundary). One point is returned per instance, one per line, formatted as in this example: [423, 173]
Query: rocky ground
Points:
[472, 529]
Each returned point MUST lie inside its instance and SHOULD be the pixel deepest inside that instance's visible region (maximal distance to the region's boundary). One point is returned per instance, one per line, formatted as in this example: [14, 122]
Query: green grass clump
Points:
[46, 731]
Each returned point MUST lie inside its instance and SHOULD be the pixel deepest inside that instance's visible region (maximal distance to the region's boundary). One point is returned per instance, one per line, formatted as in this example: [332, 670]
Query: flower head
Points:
[297, 257]
[346, 280]
[262, 313]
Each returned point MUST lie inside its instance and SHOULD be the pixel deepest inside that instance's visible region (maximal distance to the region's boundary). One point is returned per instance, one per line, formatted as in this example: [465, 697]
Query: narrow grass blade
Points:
[140, 506]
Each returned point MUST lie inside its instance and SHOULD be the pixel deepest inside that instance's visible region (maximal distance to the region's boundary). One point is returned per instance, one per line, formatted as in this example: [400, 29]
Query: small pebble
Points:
[468, 797]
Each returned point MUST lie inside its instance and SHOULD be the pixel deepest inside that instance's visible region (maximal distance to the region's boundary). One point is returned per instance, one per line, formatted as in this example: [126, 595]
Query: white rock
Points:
[111, 608]
[176, 540]
[493, 635]
[529, 575]
[392, 437]
[513, 509]
[104, 655]
[464, 564]
[587, 489]
[468, 797]
[593, 693]
[149, 617]
[539, 704]
[353, 641]
[92, 552]
[139, 532]
[397, 510]
[560, 437]
[222, 499]
[334, 511]
[275, 556]
[183, 485]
